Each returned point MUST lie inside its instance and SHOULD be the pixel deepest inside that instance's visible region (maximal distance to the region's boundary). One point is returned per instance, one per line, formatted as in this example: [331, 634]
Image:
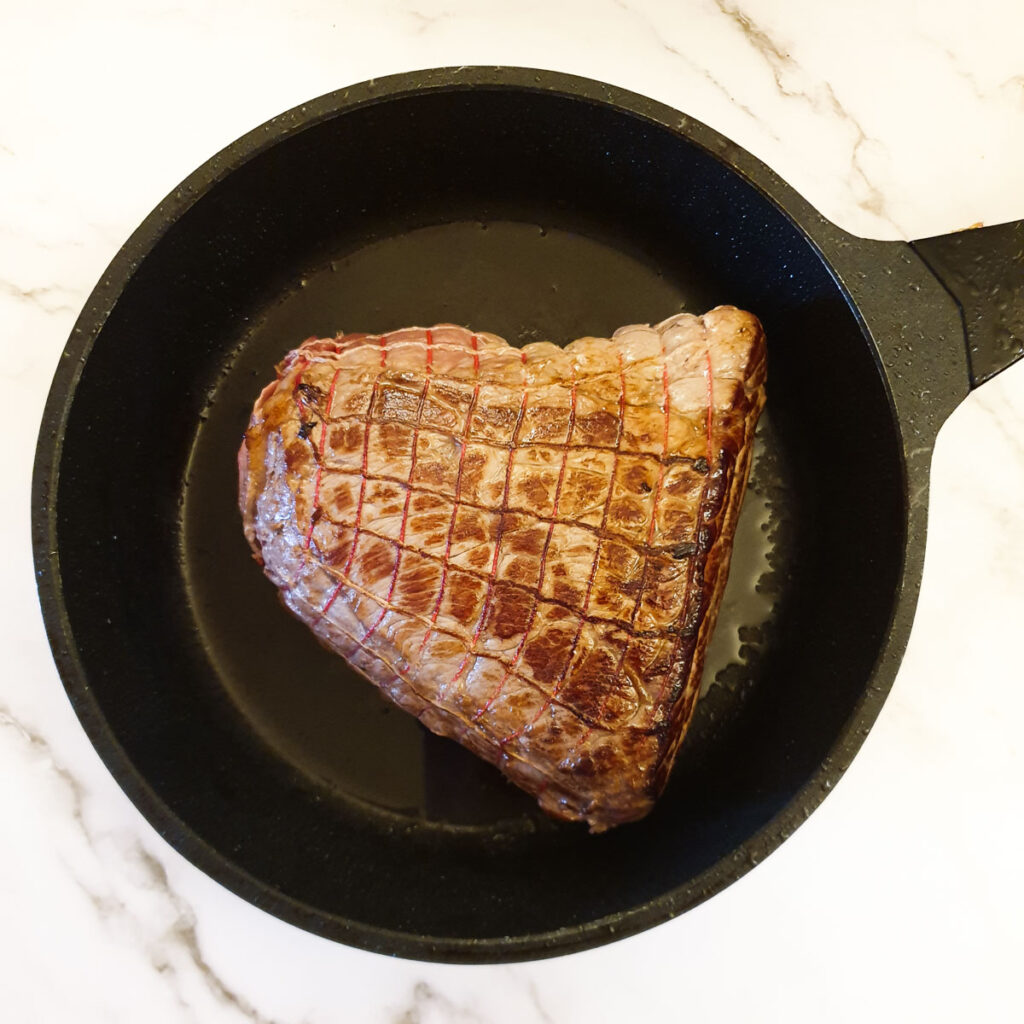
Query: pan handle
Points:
[983, 269]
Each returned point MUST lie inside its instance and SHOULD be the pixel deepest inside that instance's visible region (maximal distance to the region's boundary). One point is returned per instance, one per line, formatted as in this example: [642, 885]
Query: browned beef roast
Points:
[525, 548]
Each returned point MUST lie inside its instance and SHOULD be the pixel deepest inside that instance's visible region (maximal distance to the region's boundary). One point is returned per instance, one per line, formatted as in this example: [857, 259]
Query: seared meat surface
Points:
[525, 548]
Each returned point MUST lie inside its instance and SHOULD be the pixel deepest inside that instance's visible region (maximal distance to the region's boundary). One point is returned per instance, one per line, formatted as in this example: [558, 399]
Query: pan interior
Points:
[530, 215]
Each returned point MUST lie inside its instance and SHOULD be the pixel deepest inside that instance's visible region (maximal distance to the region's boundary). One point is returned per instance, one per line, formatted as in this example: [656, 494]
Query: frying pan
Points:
[530, 204]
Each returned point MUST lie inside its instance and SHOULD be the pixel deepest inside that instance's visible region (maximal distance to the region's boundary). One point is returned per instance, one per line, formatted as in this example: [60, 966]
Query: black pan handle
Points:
[983, 269]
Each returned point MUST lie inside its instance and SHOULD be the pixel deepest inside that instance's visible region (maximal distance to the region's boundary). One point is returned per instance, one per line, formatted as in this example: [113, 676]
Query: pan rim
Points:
[87, 330]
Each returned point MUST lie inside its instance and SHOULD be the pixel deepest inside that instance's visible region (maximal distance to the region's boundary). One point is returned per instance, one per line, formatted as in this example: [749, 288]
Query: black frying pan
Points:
[533, 205]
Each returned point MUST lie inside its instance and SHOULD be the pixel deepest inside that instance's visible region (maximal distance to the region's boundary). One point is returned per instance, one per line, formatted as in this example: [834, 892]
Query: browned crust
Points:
[546, 541]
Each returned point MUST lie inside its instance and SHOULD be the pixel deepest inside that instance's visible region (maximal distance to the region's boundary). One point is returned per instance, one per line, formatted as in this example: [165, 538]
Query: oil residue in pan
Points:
[763, 550]
[749, 599]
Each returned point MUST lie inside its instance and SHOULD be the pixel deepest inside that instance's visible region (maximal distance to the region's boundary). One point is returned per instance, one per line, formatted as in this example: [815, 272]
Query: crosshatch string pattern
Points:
[516, 536]
[509, 451]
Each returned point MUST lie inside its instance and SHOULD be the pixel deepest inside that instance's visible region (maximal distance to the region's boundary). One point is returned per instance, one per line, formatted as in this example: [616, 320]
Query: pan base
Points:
[525, 282]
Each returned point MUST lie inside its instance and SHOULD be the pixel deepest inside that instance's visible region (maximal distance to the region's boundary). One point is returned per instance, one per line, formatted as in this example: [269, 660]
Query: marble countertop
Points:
[901, 898]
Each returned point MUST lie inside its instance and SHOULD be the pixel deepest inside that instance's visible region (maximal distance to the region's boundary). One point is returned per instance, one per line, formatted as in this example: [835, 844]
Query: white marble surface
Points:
[902, 898]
